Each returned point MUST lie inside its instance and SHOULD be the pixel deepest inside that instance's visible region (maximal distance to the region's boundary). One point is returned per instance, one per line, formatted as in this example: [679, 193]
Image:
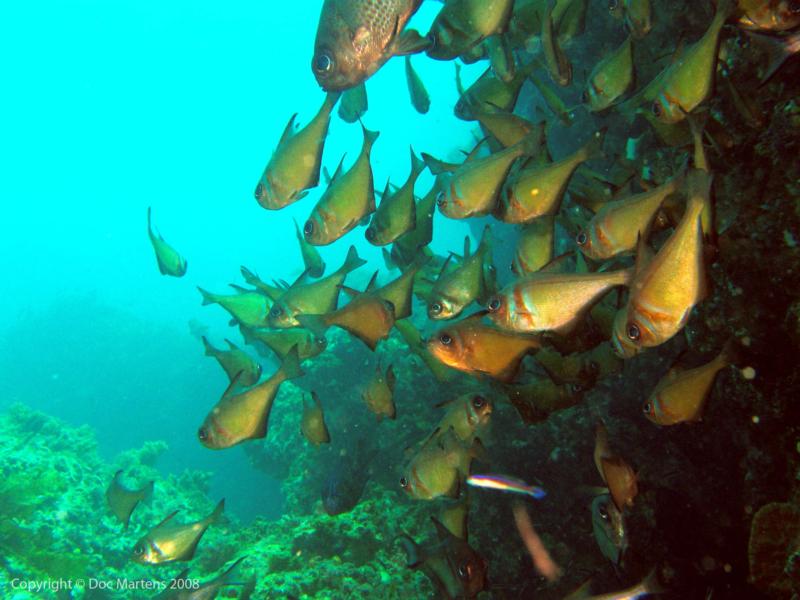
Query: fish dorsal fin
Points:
[232, 384]
[166, 519]
[288, 131]
[373, 283]
[239, 289]
[339, 169]
[299, 279]
[231, 345]
[444, 266]
[351, 292]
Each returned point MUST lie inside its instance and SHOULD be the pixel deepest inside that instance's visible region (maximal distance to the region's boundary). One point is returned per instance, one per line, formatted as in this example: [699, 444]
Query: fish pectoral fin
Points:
[410, 42]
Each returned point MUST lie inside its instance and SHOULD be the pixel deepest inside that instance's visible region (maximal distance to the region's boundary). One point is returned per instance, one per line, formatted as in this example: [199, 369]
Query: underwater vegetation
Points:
[611, 412]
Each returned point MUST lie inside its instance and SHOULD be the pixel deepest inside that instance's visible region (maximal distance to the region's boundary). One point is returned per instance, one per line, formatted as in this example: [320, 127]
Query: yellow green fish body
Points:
[318, 297]
[172, 542]
[250, 308]
[235, 361]
[456, 290]
[244, 415]
[610, 78]
[397, 212]
[379, 394]
[312, 423]
[665, 290]
[295, 165]
[169, 261]
[534, 247]
[349, 198]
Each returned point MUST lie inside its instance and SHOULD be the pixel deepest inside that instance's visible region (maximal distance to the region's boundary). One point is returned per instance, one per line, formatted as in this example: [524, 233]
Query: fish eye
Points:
[436, 308]
[603, 512]
[647, 408]
[403, 482]
[463, 571]
[440, 199]
[308, 228]
[494, 304]
[582, 238]
[634, 333]
[575, 388]
[389, 305]
[323, 63]
[511, 266]
[593, 366]
[478, 401]
[445, 339]
[321, 341]
[138, 550]
[202, 434]
[370, 234]
[276, 311]
[656, 109]
[259, 190]
[433, 40]
[585, 96]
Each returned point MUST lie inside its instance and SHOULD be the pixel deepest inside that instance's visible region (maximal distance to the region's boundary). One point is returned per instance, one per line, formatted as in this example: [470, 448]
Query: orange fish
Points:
[379, 395]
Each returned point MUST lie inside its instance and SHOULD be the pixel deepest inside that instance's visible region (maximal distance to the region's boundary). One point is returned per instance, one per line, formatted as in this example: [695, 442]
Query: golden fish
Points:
[248, 307]
[610, 78]
[537, 400]
[245, 415]
[235, 361]
[468, 415]
[689, 80]
[315, 266]
[681, 396]
[462, 24]
[312, 424]
[617, 226]
[455, 516]
[480, 349]
[610, 531]
[356, 37]
[616, 473]
[379, 394]
[769, 15]
[295, 165]
[416, 344]
[551, 301]
[557, 63]
[169, 261]
[535, 245]
[456, 290]
[368, 317]
[539, 190]
[490, 93]
[439, 467]
[509, 129]
[123, 501]
[312, 298]
[665, 290]
[170, 542]
[473, 189]
[397, 212]
[420, 99]
[399, 292]
[354, 104]
[349, 198]
[281, 341]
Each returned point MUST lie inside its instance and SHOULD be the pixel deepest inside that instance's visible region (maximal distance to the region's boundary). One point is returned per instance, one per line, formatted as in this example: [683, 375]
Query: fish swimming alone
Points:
[503, 483]
[169, 261]
[379, 394]
[123, 501]
[174, 542]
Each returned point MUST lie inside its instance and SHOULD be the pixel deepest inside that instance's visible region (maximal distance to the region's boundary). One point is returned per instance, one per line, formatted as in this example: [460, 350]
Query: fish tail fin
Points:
[208, 297]
[777, 50]
[417, 164]
[531, 144]
[388, 261]
[369, 137]
[732, 353]
[149, 218]
[351, 262]
[724, 10]
[291, 365]
[217, 513]
[698, 187]
[227, 573]
[414, 553]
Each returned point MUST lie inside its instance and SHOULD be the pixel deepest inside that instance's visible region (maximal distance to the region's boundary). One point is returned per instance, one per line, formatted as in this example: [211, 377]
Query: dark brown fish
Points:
[122, 500]
[356, 37]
